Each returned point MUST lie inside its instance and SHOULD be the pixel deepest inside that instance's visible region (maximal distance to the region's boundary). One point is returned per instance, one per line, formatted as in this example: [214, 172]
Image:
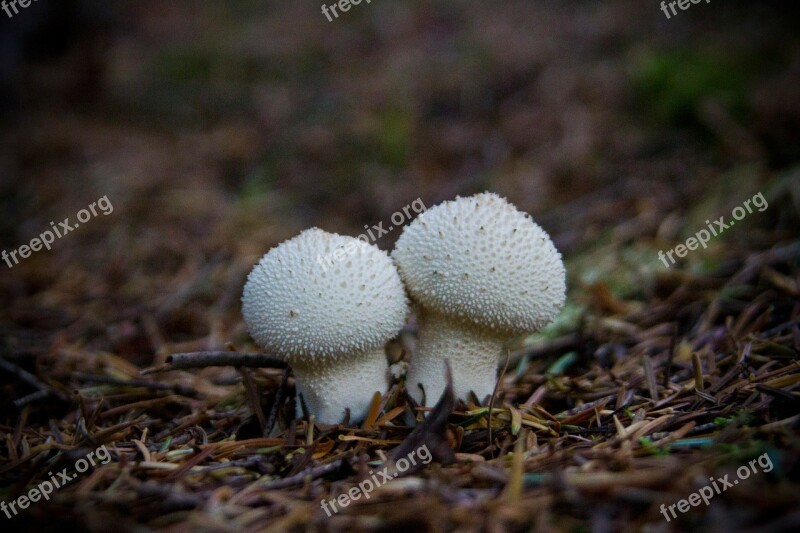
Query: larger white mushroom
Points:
[480, 271]
[327, 304]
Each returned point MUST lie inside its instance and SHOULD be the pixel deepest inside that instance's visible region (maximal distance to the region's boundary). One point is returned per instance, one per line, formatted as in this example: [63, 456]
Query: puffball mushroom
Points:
[479, 272]
[327, 304]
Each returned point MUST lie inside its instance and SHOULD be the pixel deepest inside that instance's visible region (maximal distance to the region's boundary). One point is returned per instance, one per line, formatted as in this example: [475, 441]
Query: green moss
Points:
[394, 137]
[185, 65]
[673, 84]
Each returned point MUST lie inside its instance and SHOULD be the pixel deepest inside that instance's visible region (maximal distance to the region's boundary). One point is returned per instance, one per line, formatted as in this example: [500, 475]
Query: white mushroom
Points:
[327, 304]
[480, 271]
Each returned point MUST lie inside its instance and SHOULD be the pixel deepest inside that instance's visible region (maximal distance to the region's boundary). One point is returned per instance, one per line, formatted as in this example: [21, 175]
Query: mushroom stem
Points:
[473, 354]
[330, 385]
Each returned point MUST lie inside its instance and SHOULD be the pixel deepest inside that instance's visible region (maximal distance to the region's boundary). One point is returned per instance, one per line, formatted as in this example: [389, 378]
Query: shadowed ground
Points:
[216, 132]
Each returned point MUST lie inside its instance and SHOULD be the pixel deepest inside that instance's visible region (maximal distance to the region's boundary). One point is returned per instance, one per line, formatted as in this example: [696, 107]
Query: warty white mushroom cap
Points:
[321, 294]
[481, 261]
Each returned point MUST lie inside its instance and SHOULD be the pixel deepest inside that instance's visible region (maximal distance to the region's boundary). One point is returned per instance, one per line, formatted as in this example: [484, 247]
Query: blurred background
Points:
[218, 130]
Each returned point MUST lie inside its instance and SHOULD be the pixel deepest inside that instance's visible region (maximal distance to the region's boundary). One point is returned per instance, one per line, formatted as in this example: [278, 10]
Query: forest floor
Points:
[213, 143]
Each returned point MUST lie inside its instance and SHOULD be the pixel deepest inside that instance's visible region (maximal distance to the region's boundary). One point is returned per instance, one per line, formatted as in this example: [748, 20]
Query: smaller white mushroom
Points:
[480, 271]
[327, 304]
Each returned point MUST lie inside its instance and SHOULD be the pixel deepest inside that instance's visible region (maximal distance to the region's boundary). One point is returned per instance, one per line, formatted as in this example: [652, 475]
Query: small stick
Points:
[651, 377]
[279, 397]
[181, 361]
[42, 390]
[252, 395]
[19, 403]
[670, 354]
[698, 372]
[22, 375]
[299, 479]
[491, 402]
[135, 383]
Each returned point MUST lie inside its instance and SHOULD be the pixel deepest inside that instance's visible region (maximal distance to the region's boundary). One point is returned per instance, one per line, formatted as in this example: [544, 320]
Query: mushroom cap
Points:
[321, 294]
[481, 261]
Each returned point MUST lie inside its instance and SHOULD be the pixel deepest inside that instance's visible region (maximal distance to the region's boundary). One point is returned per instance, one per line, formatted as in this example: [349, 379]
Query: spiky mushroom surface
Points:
[327, 304]
[481, 271]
